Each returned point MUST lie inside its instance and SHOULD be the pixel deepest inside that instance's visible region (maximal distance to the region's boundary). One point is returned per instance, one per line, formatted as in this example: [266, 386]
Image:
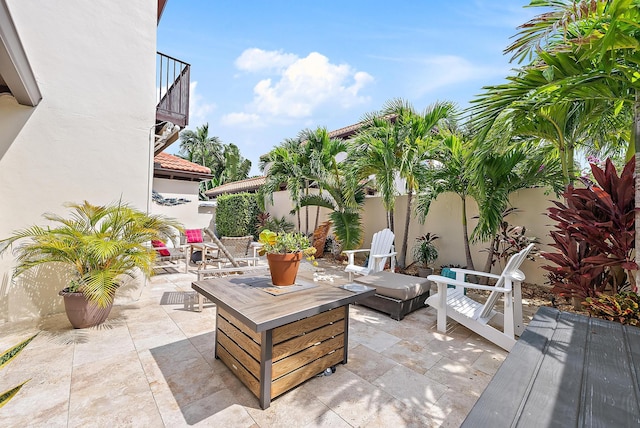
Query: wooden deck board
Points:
[566, 370]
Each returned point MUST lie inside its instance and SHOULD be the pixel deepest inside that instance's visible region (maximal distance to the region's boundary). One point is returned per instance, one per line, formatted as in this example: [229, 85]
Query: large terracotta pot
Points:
[83, 313]
[284, 268]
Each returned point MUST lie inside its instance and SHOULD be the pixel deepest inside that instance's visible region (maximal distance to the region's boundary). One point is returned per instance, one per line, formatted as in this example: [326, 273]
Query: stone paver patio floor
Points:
[152, 365]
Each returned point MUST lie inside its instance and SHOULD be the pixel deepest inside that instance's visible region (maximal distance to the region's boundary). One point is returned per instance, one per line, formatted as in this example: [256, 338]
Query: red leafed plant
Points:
[595, 235]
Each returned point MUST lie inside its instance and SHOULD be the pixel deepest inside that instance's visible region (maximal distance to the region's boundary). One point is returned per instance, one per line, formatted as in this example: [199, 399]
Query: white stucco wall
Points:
[89, 136]
[191, 215]
[282, 207]
[445, 220]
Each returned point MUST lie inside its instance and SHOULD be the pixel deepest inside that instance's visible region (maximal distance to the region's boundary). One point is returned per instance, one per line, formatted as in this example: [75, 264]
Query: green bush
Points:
[236, 214]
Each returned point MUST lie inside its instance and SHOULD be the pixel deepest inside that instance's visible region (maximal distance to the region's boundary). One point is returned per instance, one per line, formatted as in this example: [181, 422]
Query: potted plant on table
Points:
[100, 244]
[284, 252]
[425, 253]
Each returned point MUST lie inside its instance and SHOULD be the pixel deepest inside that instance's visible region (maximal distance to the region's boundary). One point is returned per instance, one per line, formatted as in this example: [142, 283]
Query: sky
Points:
[262, 71]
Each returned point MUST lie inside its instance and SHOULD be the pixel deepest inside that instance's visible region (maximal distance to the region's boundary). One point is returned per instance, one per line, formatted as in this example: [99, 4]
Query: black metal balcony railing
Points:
[173, 90]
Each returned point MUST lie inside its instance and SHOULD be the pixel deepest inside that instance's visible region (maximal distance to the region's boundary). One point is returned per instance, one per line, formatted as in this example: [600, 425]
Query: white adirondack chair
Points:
[453, 303]
[381, 249]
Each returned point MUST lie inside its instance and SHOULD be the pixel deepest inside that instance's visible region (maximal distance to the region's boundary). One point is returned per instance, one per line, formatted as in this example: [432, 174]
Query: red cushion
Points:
[160, 244]
[193, 235]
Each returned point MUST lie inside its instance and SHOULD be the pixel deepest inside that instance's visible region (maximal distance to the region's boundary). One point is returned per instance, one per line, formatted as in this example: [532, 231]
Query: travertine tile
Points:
[459, 376]
[451, 408]
[419, 357]
[370, 336]
[152, 364]
[329, 419]
[413, 389]
[368, 364]
[490, 361]
[216, 410]
[112, 392]
[292, 409]
[348, 395]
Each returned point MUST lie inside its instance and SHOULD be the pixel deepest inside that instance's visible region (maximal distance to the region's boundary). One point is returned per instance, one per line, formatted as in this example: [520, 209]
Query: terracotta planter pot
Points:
[284, 268]
[81, 312]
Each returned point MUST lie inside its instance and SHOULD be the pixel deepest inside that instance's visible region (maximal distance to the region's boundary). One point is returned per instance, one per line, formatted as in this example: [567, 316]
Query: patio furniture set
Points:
[273, 339]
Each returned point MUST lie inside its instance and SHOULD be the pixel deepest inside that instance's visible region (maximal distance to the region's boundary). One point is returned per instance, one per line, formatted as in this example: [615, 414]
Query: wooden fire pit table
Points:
[273, 343]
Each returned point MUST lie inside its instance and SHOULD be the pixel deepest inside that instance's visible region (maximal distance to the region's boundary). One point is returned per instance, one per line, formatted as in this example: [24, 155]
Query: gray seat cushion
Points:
[395, 285]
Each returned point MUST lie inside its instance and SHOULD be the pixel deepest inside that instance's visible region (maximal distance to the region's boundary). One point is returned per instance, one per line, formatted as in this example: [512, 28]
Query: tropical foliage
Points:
[622, 307]
[424, 250]
[595, 235]
[395, 144]
[6, 357]
[225, 161]
[99, 244]
[312, 160]
[285, 243]
[581, 78]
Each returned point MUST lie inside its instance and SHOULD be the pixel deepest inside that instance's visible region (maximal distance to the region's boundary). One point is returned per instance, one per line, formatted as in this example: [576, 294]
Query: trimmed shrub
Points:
[236, 214]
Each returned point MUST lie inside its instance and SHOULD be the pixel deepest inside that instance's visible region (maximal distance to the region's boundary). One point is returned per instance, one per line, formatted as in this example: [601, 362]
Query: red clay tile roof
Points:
[167, 161]
[247, 185]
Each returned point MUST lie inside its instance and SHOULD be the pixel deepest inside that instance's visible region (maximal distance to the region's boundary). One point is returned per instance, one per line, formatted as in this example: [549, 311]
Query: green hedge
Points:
[236, 215]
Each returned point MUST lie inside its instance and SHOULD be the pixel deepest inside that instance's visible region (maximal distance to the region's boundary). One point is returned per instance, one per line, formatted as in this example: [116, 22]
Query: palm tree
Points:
[520, 108]
[497, 172]
[343, 194]
[198, 147]
[319, 161]
[377, 144]
[236, 167]
[282, 166]
[602, 36]
[450, 172]
[415, 132]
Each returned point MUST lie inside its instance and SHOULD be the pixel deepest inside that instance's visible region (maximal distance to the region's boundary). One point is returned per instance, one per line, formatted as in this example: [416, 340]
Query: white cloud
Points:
[299, 86]
[255, 59]
[241, 118]
[198, 109]
[443, 71]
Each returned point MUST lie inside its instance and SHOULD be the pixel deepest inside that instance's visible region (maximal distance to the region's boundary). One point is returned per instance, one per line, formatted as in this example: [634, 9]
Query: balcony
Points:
[172, 109]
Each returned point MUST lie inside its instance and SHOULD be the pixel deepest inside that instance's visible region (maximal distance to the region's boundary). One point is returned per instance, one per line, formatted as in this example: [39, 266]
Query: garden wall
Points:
[445, 220]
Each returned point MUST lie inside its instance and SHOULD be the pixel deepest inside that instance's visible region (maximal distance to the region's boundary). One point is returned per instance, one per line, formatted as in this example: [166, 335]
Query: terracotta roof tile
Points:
[249, 184]
[167, 161]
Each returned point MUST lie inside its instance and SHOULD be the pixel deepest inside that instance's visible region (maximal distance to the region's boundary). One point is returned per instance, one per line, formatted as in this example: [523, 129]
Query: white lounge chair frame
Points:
[381, 249]
[234, 268]
[175, 254]
[453, 303]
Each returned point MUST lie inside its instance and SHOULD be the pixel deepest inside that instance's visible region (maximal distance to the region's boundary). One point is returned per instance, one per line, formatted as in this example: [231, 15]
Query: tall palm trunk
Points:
[465, 233]
[306, 209]
[390, 221]
[487, 266]
[403, 250]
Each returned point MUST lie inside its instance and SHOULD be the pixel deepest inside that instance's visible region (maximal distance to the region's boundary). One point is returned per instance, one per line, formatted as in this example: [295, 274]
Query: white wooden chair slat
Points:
[453, 303]
[381, 249]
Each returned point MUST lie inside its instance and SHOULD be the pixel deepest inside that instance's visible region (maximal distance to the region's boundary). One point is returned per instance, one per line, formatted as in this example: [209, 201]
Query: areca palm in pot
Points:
[100, 244]
[284, 252]
[425, 253]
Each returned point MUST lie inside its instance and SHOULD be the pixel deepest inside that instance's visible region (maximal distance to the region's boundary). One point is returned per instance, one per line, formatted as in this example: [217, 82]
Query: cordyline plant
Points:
[595, 235]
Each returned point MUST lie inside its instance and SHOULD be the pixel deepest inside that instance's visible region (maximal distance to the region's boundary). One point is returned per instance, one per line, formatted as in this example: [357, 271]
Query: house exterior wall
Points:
[191, 215]
[89, 138]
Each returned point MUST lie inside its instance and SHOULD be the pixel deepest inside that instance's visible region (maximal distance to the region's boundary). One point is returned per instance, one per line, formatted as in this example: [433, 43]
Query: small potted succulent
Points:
[284, 251]
[425, 253]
